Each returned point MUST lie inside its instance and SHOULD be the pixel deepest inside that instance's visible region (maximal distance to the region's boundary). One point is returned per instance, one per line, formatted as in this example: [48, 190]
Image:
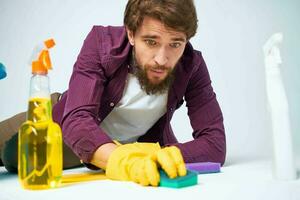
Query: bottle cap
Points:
[43, 63]
[2, 71]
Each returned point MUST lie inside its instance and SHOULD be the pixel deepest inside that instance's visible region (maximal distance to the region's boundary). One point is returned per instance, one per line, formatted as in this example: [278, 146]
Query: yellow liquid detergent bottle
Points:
[40, 139]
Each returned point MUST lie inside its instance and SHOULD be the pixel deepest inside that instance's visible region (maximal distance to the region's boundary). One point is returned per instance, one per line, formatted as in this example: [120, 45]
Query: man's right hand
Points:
[139, 162]
[102, 154]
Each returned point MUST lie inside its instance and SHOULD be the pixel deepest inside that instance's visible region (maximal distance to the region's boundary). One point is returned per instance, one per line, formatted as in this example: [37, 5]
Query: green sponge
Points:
[191, 178]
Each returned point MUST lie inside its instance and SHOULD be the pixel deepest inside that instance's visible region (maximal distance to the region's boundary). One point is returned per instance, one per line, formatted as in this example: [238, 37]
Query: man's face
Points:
[157, 49]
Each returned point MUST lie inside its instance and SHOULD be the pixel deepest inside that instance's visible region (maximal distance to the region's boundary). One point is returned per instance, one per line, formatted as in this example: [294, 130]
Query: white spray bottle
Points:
[283, 158]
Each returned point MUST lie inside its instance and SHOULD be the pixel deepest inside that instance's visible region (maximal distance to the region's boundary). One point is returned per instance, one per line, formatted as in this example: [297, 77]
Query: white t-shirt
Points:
[135, 114]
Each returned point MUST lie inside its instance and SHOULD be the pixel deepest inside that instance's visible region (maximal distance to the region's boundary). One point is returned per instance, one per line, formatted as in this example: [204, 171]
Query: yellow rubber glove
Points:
[171, 161]
[139, 162]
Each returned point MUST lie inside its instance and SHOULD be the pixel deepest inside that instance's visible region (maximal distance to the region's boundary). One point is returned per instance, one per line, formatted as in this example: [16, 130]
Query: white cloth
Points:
[135, 114]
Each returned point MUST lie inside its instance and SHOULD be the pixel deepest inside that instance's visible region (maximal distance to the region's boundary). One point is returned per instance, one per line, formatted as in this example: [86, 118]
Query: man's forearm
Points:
[102, 154]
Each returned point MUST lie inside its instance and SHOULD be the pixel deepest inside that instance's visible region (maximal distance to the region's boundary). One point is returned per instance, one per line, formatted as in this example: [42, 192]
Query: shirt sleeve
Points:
[80, 123]
[206, 119]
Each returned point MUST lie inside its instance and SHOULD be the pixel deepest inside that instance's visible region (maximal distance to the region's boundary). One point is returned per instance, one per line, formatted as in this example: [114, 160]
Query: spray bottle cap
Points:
[2, 71]
[43, 63]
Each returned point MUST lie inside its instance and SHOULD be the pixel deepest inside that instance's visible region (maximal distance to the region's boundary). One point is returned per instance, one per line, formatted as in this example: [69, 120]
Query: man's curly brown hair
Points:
[179, 15]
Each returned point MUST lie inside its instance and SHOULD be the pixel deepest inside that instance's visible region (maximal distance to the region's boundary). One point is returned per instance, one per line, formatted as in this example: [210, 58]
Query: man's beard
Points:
[152, 88]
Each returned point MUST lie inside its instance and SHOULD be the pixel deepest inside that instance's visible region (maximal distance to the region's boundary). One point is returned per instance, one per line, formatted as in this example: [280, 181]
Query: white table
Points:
[238, 181]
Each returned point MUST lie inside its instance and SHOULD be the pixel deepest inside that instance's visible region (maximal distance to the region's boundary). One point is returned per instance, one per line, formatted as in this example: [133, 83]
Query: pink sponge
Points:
[204, 167]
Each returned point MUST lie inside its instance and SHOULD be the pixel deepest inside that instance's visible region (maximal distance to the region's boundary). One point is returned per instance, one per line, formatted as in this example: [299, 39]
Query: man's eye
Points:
[150, 42]
[175, 45]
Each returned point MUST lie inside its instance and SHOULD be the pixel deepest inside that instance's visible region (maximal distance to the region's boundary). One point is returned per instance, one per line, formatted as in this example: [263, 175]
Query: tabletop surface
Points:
[241, 180]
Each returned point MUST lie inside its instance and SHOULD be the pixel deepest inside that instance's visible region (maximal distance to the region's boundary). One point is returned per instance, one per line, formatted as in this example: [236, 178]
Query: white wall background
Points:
[230, 35]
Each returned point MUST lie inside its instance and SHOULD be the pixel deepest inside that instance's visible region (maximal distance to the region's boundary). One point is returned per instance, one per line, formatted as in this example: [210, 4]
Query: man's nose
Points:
[161, 57]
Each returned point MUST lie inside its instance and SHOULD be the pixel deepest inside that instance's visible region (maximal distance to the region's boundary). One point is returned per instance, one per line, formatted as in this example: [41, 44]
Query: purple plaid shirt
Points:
[97, 85]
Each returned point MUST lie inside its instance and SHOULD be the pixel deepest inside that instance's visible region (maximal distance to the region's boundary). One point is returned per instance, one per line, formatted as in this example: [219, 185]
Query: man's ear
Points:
[130, 36]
